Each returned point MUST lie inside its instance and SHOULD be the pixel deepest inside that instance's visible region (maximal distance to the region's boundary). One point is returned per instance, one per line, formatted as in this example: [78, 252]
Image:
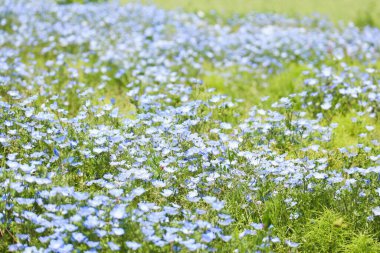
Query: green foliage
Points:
[367, 17]
[251, 88]
[328, 233]
[365, 12]
[347, 132]
[362, 244]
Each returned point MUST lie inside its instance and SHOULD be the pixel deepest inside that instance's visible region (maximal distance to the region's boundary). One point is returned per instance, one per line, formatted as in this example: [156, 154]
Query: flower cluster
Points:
[111, 141]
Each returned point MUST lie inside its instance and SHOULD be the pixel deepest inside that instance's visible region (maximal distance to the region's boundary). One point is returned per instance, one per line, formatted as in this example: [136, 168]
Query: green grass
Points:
[364, 12]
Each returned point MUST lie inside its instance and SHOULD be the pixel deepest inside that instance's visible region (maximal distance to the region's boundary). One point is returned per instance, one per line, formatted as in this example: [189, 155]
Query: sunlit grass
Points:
[366, 12]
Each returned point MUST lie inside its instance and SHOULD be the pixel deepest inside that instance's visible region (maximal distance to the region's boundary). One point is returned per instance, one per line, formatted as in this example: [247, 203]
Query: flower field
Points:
[131, 128]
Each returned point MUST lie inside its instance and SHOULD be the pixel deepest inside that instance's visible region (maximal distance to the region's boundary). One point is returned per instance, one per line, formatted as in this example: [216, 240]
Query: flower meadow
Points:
[129, 128]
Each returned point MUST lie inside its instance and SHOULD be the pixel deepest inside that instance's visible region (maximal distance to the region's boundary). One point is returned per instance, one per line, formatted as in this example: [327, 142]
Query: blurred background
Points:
[360, 12]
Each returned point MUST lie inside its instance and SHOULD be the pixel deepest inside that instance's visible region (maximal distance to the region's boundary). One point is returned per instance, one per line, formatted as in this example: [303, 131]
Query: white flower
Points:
[376, 211]
[326, 106]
